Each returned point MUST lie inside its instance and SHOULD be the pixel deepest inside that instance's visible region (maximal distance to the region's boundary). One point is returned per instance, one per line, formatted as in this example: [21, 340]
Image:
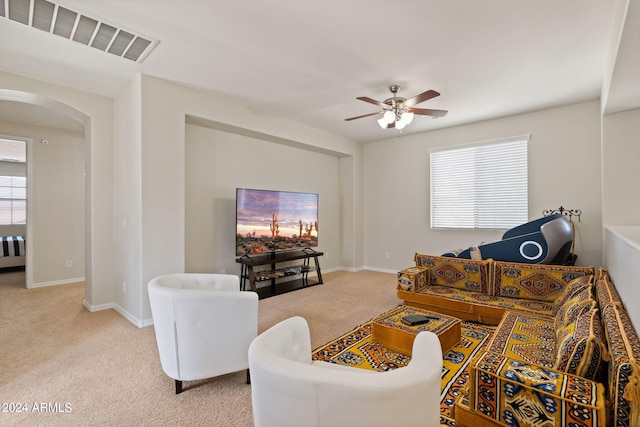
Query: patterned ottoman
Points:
[389, 330]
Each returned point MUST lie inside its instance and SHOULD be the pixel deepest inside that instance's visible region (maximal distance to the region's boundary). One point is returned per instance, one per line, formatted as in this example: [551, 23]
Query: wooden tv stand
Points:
[273, 259]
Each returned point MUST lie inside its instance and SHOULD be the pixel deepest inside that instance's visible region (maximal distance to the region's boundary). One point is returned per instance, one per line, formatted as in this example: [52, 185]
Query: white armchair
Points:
[288, 389]
[203, 323]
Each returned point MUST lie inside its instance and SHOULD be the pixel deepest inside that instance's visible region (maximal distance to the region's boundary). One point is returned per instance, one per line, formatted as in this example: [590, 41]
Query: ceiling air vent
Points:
[55, 19]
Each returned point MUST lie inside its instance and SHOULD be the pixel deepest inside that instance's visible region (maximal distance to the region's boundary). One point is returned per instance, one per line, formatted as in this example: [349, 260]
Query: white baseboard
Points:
[381, 270]
[57, 282]
[130, 317]
[328, 270]
[94, 308]
[124, 313]
[146, 322]
[349, 269]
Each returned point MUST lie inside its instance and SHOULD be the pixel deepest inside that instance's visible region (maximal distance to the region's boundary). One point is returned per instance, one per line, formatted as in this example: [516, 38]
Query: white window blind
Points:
[13, 200]
[481, 186]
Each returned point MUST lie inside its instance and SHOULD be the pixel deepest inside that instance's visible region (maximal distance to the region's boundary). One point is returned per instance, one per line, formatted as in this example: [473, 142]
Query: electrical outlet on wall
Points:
[69, 263]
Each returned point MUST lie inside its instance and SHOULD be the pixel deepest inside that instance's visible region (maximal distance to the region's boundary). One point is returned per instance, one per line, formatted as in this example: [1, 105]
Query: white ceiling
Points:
[308, 61]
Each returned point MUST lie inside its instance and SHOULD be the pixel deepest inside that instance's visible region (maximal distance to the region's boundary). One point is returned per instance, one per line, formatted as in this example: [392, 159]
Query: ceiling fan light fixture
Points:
[389, 117]
[382, 122]
[407, 117]
[400, 124]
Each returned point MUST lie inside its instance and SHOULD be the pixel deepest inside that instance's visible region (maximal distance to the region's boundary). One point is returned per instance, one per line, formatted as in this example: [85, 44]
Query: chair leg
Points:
[178, 386]
[248, 377]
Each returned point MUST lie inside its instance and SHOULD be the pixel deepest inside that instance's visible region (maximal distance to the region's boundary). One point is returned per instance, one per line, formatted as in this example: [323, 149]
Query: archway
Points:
[62, 110]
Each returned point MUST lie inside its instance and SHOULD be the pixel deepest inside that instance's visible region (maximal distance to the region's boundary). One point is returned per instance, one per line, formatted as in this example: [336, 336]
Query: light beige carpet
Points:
[98, 369]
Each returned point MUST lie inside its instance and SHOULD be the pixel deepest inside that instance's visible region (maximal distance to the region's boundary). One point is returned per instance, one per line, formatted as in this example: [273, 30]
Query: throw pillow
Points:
[624, 367]
[580, 346]
[573, 288]
[606, 291]
[535, 281]
[567, 313]
[467, 274]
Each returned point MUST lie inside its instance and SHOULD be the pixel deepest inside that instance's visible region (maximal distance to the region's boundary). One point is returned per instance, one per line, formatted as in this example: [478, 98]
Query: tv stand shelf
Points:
[272, 259]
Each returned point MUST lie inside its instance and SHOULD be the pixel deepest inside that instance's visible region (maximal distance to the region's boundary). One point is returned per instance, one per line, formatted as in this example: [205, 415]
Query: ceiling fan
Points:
[397, 111]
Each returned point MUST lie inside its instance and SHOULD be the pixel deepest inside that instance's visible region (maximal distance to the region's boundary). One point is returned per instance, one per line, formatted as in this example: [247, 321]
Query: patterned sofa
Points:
[564, 351]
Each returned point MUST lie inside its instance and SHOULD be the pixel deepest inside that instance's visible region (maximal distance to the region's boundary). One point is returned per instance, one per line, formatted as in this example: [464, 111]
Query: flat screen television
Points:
[269, 221]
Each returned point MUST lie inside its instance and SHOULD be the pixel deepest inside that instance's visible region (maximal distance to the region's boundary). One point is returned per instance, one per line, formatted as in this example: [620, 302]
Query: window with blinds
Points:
[480, 186]
[13, 199]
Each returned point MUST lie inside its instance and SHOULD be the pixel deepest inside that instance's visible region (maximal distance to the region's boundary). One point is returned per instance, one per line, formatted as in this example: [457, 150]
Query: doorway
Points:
[51, 169]
[13, 205]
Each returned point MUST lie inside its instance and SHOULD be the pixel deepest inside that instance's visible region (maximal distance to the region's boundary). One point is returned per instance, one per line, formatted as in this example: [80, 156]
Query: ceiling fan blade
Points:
[372, 101]
[428, 112]
[364, 115]
[421, 98]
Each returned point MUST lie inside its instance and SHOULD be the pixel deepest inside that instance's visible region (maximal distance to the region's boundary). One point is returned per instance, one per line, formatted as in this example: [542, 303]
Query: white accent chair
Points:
[288, 389]
[203, 323]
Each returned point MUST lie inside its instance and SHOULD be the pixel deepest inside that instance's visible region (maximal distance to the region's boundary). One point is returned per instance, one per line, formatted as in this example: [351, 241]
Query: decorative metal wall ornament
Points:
[562, 211]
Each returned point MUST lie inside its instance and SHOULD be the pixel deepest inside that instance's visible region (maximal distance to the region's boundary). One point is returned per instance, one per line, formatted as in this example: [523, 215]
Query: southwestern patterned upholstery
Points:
[448, 297]
[576, 348]
[525, 337]
[580, 342]
[413, 279]
[534, 281]
[580, 346]
[623, 379]
[482, 291]
[607, 293]
[564, 351]
[576, 286]
[466, 274]
[516, 393]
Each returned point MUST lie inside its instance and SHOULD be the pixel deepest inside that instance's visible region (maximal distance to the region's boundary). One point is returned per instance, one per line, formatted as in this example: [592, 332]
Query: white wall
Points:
[127, 158]
[96, 112]
[218, 162]
[58, 206]
[165, 108]
[351, 205]
[564, 170]
[57, 196]
[621, 206]
[620, 154]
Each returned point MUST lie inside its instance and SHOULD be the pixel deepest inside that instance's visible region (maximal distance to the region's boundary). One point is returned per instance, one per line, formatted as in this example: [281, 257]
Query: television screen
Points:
[268, 221]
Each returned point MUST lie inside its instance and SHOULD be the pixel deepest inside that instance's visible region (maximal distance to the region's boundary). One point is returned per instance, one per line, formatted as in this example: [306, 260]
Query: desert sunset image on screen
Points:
[269, 221]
